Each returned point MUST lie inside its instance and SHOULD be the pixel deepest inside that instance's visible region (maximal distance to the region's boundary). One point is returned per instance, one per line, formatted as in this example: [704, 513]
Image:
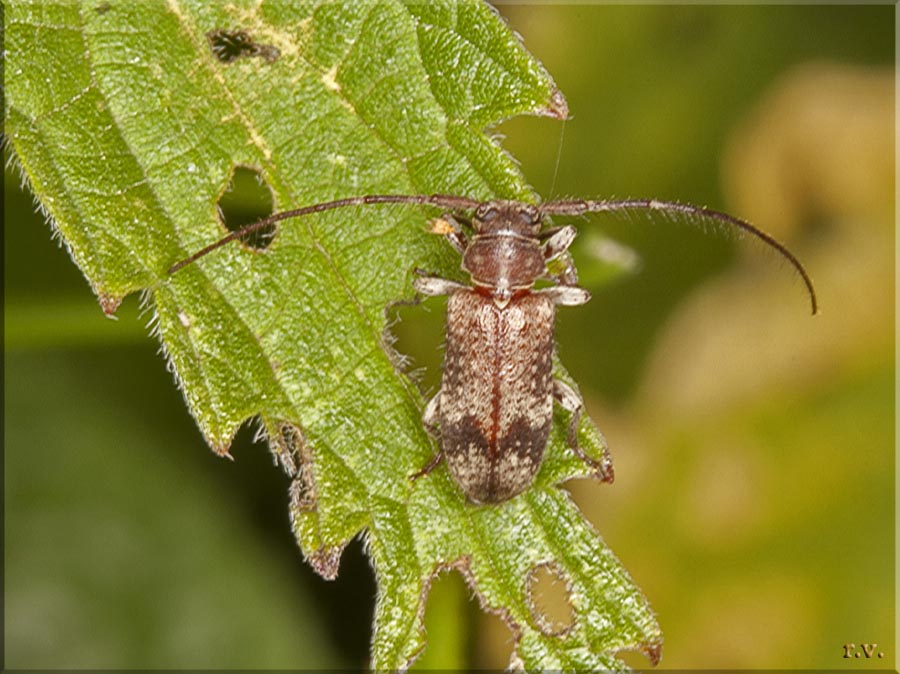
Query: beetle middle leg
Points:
[570, 401]
[435, 285]
[565, 295]
[431, 421]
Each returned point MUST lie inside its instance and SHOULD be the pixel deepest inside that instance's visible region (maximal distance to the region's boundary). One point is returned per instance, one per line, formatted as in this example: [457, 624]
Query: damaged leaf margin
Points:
[128, 128]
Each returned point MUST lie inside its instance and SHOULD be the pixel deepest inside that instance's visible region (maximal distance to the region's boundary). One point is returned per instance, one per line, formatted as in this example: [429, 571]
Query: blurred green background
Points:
[754, 445]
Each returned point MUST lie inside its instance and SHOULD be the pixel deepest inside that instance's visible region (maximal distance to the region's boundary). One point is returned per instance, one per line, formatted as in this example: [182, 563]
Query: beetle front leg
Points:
[555, 246]
[570, 401]
[452, 230]
[558, 241]
[431, 421]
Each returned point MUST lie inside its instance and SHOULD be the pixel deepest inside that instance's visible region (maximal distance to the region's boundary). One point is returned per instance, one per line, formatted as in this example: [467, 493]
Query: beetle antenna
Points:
[580, 207]
[441, 200]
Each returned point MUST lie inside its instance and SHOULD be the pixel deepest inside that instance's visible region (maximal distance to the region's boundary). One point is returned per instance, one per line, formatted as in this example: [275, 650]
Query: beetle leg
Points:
[431, 415]
[558, 242]
[556, 246]
[435, 285]
[431, 421]
[452, 230]
[434, 463]
[566, 295]
[570, 401]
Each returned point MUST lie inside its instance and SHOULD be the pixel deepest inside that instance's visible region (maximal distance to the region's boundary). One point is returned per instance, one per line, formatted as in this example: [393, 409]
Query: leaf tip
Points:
[557, 107]
[653, 651]
[222, 449]
[606, 473]
[326, 561]
[109, 303]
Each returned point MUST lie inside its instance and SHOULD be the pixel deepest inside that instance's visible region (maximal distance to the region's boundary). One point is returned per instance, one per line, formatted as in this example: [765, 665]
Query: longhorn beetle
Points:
[495, 406]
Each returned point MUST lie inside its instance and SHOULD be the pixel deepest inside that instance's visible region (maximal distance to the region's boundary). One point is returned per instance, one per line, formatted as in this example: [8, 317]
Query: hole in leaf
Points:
[230, 45]
[550, 599]
[637, 659]
[246, 200]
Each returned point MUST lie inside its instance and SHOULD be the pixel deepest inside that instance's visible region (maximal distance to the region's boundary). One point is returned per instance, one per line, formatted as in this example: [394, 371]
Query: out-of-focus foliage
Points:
[768, 436]
[755, 513]
[118, 553]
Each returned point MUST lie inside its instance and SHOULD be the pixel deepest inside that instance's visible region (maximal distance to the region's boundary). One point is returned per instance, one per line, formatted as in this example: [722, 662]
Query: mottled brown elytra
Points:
[494, 409]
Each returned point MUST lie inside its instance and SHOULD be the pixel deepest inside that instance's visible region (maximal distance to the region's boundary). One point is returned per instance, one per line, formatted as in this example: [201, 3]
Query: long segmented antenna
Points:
[443, 200]
[567, 207]
[581, 206]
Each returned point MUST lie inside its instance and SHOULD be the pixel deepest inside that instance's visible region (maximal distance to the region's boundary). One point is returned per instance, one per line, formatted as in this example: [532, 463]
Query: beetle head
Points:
[498, 217]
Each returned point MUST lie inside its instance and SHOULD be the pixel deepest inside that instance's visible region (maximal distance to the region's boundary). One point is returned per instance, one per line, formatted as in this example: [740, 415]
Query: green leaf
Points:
[129, 128]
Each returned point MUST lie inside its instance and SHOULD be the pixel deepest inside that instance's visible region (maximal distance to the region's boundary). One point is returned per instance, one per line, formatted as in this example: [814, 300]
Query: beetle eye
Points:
[530, 216]
[486, 212]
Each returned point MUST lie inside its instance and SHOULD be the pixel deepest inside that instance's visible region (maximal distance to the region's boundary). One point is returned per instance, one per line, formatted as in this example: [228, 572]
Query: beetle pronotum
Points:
[494, 409]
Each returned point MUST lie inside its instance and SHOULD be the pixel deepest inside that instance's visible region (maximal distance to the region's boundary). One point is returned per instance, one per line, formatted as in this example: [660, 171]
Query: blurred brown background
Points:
[754, 444]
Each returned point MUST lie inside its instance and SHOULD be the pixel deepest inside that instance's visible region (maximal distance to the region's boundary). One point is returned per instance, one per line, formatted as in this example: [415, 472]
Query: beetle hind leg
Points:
[570, 401]
[430, 466]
